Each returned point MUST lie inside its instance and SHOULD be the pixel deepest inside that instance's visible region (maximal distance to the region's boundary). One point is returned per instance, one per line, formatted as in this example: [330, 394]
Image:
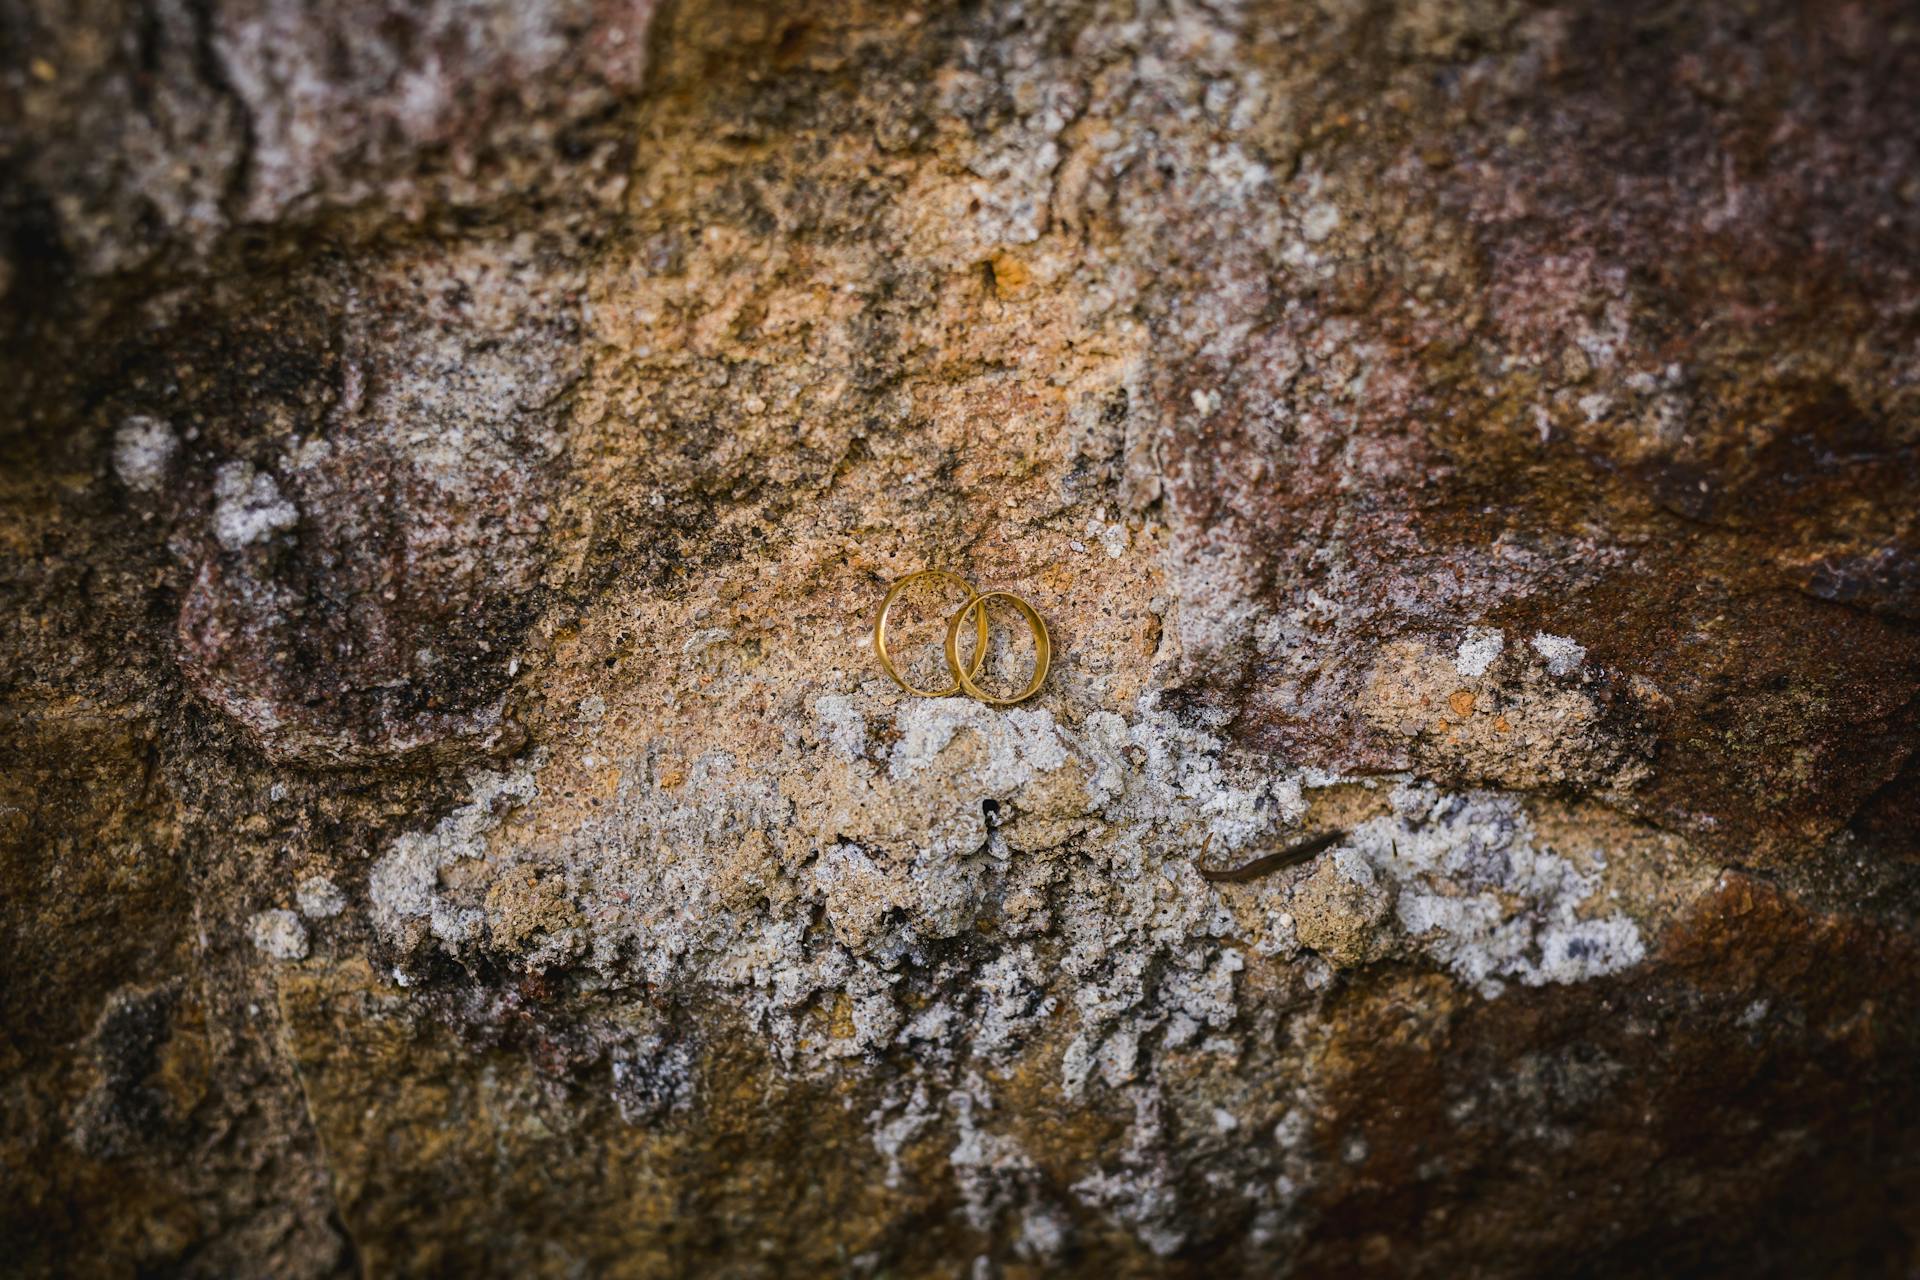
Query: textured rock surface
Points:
[451, 821]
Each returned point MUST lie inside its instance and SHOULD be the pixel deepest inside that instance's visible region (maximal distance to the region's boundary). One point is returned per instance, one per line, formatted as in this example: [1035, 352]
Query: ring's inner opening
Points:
[1011, 650]
[917, 632]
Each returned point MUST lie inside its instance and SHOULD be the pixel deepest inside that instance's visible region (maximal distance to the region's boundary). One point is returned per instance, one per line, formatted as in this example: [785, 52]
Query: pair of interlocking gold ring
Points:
[976, 608]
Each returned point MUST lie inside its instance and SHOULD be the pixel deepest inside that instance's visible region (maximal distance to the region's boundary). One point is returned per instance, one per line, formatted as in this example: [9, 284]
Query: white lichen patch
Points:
[1562, 656]
[143, 451]
[1471, 888]
[1019, 743]
[895, 1125]
[279, 933]
[1150, 960]
[840, 725]
[991, 1169]
[1321, 221]
[319, 898]
[1478, 652]
[404, 888]
[1112, 535]
[248, 507]
[715, 874]
[1137, 1190]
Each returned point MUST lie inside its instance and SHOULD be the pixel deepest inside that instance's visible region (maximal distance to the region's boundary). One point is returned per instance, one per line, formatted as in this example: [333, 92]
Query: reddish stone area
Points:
[1657, 1125]
[1630, 360]
[1780, 715]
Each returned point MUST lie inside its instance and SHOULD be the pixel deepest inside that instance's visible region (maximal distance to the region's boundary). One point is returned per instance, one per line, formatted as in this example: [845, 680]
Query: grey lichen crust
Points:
[839, 875]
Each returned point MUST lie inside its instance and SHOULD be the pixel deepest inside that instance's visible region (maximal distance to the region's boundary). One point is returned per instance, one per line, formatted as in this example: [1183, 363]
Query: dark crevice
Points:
[213, 71]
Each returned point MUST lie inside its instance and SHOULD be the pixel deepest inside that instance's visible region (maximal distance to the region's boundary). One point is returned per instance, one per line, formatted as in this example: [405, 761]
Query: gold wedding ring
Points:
[979, 648]
[963, 676]
[1042, 647]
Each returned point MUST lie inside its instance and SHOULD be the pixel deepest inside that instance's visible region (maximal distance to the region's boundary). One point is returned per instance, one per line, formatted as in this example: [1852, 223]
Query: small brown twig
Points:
[1292, 855]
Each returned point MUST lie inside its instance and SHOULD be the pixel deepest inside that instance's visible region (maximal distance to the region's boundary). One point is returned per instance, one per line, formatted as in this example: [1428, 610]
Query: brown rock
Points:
[451, 820]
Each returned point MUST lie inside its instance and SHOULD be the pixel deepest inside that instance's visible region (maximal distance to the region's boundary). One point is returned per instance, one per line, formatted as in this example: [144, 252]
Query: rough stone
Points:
[454, 821]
